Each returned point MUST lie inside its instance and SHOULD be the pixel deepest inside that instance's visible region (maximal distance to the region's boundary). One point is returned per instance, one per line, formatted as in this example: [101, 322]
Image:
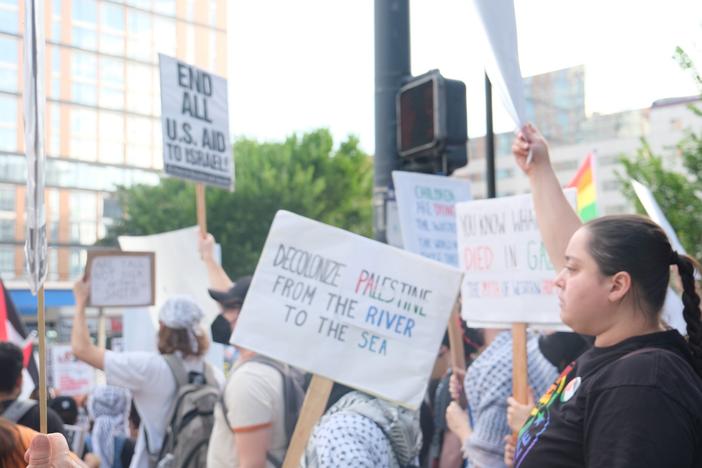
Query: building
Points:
[102, 112]
[556, 103]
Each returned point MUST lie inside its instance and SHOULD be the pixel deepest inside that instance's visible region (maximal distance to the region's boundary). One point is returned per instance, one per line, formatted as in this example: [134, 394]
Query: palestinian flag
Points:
[584, 182]
[12, 329]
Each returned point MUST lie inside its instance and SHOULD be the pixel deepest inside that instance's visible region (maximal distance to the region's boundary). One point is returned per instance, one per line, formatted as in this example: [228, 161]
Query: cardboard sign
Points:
[508, 275]
[70, 376]
[121, 279]
[348, 308]
[195, 121]
[426, 206]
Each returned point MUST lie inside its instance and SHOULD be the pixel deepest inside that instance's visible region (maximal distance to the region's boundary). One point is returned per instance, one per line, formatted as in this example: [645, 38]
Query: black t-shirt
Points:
[615, 408]
[31, 418]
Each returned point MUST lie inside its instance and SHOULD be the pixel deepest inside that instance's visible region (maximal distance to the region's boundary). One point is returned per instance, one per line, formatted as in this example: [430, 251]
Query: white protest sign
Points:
[121, 279]
[497, 22]
[195, 124]
[180, 271]
[70, 376]
[426, 205]
[347, 308]
[508, 276]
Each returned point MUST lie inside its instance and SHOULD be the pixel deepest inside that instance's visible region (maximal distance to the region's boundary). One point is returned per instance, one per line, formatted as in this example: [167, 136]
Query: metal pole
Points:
[392, 67]
[489, 141]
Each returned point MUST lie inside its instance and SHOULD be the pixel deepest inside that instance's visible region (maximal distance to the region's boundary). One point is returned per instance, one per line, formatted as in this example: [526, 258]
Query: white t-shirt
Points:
[153, 388]
[254, 399]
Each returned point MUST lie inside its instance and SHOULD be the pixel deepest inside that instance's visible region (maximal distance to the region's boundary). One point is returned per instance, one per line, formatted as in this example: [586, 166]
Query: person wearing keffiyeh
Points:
[108, 407]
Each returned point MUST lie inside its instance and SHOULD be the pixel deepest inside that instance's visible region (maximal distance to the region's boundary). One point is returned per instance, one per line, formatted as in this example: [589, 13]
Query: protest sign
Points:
[71, 377]
[347, 308]
[426, 207]
[508, 276]
[195, 123]
[121, 279]
[180, 271]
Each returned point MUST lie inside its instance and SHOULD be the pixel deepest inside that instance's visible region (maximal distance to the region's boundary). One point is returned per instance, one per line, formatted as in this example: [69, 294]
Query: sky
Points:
[299, 65]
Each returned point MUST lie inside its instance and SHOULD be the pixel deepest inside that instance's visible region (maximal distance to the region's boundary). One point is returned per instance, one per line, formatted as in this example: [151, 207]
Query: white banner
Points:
[426, 207]
[195, 124]
[348, 308]
[498, 24]
[70, 376]
[508, 276]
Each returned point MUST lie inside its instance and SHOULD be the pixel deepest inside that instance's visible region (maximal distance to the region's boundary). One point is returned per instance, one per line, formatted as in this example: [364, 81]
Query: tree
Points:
[305, 175]
[678, 193]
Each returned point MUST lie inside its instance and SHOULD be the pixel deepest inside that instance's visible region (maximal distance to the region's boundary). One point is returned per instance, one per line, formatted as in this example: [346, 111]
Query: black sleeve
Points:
[127, 452]
[54, 423]
[637, 426]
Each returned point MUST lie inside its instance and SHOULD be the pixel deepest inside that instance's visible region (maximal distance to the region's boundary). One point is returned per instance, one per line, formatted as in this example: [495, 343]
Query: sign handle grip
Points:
[41, 319]
[458, 356]
[312, 409]
[201, 208]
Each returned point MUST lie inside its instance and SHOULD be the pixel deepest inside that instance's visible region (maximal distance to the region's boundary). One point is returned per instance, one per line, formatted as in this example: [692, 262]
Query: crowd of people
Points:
[621, 390]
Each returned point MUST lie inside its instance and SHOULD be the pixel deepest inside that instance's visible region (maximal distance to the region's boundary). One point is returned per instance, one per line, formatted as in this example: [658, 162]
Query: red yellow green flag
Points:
[584, 182]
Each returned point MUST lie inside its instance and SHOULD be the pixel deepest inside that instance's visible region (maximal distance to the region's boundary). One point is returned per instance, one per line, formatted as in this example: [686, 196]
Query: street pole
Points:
[392, 67]
[489, 141]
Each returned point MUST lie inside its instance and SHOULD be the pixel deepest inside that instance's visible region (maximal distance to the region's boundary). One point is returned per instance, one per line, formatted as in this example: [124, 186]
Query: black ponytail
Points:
[691, 311]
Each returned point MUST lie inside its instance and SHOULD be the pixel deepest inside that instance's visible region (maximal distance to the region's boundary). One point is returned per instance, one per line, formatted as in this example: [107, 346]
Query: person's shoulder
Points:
[666, 370]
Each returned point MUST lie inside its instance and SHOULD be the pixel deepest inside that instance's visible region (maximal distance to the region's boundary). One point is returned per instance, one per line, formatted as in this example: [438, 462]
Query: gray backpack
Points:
[190, 420]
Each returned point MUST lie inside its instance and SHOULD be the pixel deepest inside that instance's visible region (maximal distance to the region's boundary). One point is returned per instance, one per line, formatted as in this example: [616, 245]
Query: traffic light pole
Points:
[392, 68]
[489, 141]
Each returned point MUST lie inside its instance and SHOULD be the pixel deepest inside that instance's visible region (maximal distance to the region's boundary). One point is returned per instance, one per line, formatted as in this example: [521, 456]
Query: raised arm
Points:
[556, 218]
[82, 345]
[218, 278]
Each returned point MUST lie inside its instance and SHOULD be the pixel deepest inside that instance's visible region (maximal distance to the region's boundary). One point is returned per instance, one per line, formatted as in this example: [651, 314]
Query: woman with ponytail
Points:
[635, 398]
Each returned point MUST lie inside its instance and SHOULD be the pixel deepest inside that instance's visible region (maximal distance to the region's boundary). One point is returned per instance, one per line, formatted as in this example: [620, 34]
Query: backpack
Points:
[190, 419]
[295, 383]
[18, 409]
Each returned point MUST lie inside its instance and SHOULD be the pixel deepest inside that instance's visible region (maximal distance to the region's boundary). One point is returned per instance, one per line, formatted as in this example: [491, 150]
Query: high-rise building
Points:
[102, 111]
[556, 104]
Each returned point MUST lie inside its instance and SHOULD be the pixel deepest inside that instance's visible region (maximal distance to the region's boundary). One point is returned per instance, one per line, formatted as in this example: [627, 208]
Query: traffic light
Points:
[431, 124]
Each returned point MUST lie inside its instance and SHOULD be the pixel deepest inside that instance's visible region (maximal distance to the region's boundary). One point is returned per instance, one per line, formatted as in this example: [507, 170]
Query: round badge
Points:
[570, 389]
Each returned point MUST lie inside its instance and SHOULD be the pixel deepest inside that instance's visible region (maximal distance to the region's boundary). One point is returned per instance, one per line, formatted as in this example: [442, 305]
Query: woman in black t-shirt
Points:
[635, 398]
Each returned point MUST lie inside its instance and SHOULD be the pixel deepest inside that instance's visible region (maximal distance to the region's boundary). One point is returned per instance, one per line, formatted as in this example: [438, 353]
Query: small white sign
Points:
[71, 377]
[351, 309]
[508, 276]
[426, 207]
[121, 279]
[195, 121]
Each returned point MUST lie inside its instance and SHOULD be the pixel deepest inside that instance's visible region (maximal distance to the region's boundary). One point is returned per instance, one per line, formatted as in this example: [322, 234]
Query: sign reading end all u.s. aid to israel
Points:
[347, 308]
[195, 124]
[508, 277]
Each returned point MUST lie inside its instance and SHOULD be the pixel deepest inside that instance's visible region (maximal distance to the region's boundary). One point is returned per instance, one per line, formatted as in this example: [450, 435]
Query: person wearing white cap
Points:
[147, 375]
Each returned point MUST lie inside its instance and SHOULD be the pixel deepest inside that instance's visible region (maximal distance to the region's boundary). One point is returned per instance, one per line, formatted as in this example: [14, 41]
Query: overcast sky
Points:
[303, 64]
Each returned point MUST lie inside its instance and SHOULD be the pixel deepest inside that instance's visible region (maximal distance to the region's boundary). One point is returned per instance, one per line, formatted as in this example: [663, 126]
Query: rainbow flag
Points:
[584, 182]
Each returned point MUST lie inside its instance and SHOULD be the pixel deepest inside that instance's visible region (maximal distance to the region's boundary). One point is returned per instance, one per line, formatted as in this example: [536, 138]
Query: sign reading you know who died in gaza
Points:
[348, 308]
[508, 276]
[195, 124]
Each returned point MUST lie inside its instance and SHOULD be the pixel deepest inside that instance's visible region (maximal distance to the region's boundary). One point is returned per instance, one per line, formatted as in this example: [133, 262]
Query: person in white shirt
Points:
[147, 375]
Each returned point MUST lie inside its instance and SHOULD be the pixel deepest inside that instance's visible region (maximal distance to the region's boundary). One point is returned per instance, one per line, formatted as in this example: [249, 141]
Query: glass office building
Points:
[102, 112]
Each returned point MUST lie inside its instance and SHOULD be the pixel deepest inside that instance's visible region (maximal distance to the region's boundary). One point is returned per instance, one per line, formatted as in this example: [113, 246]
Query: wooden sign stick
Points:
[41, 319]
[312, 409]
[201, 206]
[520, 384]
[458, 356]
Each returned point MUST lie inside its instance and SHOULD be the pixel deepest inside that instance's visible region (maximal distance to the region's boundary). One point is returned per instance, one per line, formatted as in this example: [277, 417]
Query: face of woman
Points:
[584, 291]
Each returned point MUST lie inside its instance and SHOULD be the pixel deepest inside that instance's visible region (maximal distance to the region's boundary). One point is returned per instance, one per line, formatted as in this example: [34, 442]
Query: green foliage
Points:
[678, 193]
[303, 174]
